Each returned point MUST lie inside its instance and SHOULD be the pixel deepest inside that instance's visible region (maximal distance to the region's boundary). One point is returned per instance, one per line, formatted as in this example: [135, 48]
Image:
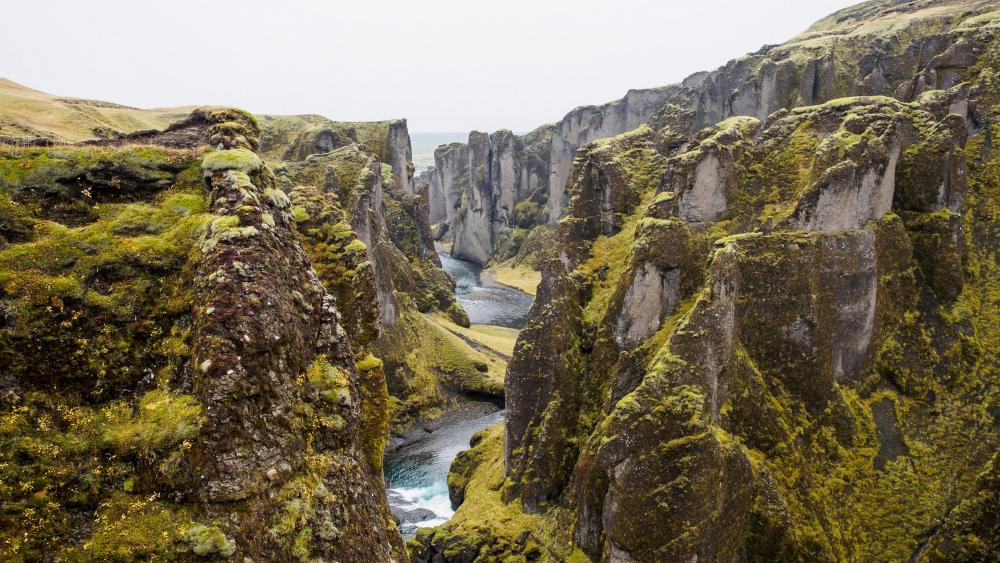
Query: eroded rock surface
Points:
[217, 403]
[872, 49]
[794, 376]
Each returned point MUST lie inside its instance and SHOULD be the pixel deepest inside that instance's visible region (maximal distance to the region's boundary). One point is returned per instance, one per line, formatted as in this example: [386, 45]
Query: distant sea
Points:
[423, 145]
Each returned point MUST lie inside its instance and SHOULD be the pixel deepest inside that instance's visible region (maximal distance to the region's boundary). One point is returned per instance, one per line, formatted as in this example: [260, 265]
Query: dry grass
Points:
[26, 113]
[518, 277]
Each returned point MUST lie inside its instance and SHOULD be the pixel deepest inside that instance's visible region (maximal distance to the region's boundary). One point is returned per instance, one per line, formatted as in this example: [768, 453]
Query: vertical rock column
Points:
[290, 412]
[473, 222]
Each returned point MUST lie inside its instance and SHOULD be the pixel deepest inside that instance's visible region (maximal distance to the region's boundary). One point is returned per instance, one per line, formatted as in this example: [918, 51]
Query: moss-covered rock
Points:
[197, 359]
[346, 206]
[797, 374]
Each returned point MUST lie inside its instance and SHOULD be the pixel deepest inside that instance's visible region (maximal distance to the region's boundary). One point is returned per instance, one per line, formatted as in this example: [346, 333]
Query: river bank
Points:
[416, 462]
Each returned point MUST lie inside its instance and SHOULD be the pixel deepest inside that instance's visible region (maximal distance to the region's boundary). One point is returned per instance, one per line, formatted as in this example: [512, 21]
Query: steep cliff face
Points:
[427, 366]
[771, 338]
[200, 395]
[872, 49]
[473, 227]
[436, 201]
[296, 137]
[487, 187]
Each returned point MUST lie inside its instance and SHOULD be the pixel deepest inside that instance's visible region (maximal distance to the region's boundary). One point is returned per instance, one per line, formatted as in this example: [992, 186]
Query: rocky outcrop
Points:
[202, 369]
[756, 352]
[874, 49]
[436, 200]
[294, 138]
[398, 154]
[485, 188]
[589, 123]
[426, 368]
[473, 225]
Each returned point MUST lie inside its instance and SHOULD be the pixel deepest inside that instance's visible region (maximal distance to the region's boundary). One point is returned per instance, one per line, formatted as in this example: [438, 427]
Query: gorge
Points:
[751, 316]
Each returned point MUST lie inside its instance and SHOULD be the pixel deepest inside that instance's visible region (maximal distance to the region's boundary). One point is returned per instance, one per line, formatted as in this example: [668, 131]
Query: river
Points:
[416, 470]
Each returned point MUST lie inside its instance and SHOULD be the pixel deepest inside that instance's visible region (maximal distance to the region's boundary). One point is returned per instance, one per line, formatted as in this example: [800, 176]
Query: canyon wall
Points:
[208, 389]
[833, 59]
[426, 366]
[767, 336]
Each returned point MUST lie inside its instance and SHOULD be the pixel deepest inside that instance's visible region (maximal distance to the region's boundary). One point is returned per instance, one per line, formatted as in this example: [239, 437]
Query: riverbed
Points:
[416, 467]
[486, 303]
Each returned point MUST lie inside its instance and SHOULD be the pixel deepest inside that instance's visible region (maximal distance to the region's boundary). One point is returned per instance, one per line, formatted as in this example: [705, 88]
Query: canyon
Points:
[751, 316]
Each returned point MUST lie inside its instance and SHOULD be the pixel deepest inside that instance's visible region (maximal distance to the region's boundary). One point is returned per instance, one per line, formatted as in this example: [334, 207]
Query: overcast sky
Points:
[446, 65]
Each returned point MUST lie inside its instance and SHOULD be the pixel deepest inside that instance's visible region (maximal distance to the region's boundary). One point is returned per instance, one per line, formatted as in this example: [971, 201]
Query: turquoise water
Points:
[416, 473]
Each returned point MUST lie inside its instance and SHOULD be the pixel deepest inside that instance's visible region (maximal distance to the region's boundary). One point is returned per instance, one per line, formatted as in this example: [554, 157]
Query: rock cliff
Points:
[770, 332]
[205, 391]
[899, 51]
[426, 367]
[484, 189]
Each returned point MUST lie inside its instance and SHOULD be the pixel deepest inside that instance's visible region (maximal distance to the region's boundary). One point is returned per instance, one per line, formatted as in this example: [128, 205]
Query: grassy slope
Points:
[26, 113]
[519, 277]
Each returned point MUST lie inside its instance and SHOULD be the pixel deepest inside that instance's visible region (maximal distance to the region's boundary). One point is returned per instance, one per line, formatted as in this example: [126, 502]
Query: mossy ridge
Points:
[827, 533]
[67, 184]
[241, 160]
[339, 257]
[968, 531]
[296, 137]
[410, 270]
[122, 276]
[827, 536]
[148, 453]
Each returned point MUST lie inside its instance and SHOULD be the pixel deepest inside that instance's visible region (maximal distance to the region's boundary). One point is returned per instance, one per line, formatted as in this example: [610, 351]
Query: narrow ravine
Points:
[416, 470]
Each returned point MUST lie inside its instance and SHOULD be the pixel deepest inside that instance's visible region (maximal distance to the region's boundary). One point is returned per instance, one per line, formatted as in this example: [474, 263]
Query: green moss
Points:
[83, 292]
[46, 165]
[130, 528]
[606, 266]
[484, 527]
[241, 160]
[302, 501]
[161, 420]
[426, 353]
[331, 382]
[209, 541]
[356, 246]
[388, 175]
[300, 214]
[529, 213]
[663, 197]
[60, 455]
[776, 175]
[369, 363]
